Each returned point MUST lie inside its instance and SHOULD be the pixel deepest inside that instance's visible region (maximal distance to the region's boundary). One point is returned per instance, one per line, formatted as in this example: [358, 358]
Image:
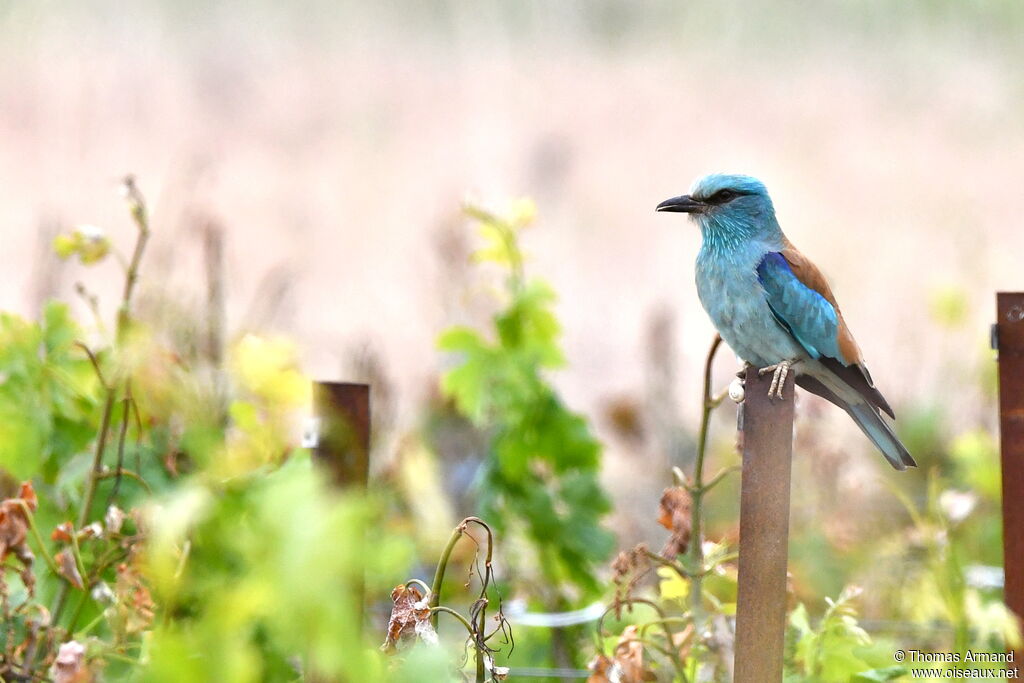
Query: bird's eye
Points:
[723, 196]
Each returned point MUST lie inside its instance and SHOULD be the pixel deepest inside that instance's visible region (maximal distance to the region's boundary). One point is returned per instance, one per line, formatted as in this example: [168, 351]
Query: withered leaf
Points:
[674, 515]
[63, 532]
[599, 667]
[14, 525]
[68, 569]
[114, 519]
[135, 606]
[626, 665]
[410, 618]
[28, 494]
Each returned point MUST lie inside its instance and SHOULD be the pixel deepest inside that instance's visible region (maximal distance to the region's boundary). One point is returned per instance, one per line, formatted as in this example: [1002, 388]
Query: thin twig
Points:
[126, 404]
[137, 208]
[50, 562]
[421, 584]
[720, 476]
[95, 363]
[695, 554]
[107, 474]
[442, 566]
[448, 610]
[478, 615]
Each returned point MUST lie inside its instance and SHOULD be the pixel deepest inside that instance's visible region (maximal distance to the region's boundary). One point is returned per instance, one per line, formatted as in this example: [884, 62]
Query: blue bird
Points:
[775, 308]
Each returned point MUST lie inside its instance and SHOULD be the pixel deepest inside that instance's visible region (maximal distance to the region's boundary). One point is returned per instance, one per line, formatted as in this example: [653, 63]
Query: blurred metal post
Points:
[343, 445]
[342, 412]
[1008, 340]
[767, 444]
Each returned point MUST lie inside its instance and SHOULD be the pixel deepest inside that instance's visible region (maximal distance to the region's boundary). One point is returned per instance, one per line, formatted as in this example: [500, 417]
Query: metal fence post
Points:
[343, 444]
[1008, 339]
[342, 412]
[767, 444]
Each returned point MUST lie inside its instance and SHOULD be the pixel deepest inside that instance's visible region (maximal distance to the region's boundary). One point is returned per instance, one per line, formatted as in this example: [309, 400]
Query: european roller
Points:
[775, 308]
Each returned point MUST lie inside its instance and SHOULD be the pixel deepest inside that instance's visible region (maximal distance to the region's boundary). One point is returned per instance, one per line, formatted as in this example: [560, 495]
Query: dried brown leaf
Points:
[674, 515]
[626, 665]
[94, 530]
[68, 569]
[135, 606]
[629, 656]
[28, 494]
[410, 618]
[114, 519]
[63, 532]
[14, 525]
[599, 667]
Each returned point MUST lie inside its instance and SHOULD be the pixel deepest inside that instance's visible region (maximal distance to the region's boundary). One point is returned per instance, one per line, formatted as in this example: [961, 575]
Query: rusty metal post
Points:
[343, 445]
[767, 443]
[1008, 339]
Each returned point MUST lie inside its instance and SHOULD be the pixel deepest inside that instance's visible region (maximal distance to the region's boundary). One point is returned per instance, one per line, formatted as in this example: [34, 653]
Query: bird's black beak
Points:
[682, 204]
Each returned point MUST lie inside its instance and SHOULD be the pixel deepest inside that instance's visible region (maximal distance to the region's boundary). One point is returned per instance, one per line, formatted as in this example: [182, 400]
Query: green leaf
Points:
[460, 338]
[543, 460]
[48, 399]
[59, 329]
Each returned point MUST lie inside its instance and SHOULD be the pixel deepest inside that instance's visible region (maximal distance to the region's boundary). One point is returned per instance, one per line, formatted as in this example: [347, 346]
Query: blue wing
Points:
[808, 316]
[817, 326]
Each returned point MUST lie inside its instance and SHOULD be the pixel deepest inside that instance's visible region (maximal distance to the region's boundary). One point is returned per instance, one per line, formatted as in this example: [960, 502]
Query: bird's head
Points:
[726, 205]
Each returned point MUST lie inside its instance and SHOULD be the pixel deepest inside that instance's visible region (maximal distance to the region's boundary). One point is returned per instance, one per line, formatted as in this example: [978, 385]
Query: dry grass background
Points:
[334, 143]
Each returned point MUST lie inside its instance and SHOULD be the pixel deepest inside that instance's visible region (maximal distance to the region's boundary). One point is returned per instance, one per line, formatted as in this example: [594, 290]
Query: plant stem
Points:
[695, 553]
[126, 404]
[434, 611]
[138, 212]
[107, 474]
[421, 584]
[50, 562]
[97, 461]
[480, 652]
[442, 565]
[665, 562]
[476, 624]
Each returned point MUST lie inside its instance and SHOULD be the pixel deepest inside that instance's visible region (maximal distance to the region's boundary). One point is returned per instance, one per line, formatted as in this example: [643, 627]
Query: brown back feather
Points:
[809, 274]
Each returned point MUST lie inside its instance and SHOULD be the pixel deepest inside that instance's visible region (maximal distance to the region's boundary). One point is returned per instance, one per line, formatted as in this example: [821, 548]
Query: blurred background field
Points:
[332, 145]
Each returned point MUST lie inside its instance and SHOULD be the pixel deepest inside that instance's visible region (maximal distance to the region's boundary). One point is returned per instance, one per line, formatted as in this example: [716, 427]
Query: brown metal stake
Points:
[767, 443]
[343, 446]
[1008, 339]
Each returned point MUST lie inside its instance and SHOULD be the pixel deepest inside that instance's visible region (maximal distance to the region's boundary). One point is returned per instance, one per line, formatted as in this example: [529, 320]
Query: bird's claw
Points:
[780, 371]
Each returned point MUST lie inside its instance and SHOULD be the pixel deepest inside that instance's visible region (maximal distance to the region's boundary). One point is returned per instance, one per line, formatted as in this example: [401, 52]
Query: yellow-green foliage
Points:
[838, 649]
[262, 578]
[542, 468]
[48, 394]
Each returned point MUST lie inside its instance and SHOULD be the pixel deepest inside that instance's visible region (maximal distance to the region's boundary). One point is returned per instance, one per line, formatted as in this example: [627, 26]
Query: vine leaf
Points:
[626, 665]
[14, 526]
[410, 619]
[674, 515]
[66, 563]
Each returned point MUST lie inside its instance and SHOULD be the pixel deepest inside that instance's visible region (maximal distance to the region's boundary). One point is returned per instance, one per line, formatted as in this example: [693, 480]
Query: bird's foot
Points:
[780, 372]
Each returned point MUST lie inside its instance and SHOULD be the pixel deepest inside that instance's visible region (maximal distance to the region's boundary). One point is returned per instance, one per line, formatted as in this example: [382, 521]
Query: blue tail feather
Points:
[868, 419]
[881, 434]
